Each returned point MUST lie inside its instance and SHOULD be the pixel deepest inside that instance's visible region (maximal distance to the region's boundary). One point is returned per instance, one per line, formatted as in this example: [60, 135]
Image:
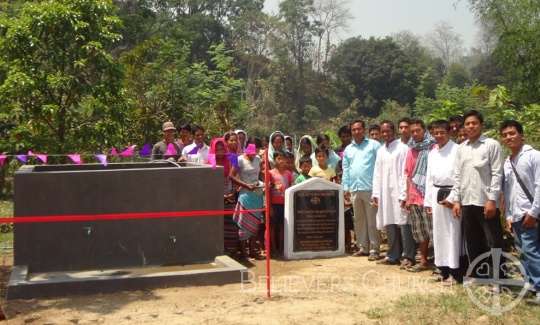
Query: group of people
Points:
[444, 183]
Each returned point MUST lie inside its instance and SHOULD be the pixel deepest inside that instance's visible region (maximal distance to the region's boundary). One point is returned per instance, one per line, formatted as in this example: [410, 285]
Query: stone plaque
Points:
[316, 226]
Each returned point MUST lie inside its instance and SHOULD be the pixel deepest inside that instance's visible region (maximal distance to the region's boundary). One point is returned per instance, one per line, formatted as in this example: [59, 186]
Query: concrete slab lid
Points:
[23, 285]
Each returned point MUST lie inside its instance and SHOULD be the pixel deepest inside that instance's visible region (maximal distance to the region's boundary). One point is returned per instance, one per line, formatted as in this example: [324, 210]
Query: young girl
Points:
[322, 170]
[233, 146]
[248, 176]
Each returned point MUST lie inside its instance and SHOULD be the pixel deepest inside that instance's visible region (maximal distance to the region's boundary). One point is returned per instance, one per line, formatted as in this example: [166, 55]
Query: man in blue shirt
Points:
[358, 168]
[522, 201]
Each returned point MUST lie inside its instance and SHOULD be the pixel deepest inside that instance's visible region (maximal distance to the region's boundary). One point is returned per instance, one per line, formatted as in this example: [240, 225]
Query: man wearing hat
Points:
[167, 148]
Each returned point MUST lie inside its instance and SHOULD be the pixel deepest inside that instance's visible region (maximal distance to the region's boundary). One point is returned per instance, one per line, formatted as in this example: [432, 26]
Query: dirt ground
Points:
[321, 291]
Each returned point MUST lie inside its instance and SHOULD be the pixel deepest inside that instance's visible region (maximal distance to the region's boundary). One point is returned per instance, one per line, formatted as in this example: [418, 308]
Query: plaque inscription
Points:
[316, 220]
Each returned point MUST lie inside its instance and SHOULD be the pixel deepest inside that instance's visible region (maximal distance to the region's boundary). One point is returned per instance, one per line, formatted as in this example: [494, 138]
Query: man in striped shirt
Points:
[477, 191]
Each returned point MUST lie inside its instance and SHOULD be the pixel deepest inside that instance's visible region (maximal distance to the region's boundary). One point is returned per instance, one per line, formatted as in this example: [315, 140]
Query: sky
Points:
[382, 18]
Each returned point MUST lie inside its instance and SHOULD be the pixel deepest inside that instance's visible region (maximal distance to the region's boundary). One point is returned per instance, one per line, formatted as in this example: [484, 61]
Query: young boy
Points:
[282, 179]
[305, 167]
[290, 164]
[322, 170]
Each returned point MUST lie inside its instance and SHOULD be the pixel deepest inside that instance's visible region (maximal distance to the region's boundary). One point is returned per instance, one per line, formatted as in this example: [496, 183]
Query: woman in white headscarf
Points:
[289, 143]
[277, 142]
[306, 147]
[242, 138]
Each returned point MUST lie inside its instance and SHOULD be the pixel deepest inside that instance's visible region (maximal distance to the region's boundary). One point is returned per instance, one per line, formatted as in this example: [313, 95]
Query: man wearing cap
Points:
[167, 149]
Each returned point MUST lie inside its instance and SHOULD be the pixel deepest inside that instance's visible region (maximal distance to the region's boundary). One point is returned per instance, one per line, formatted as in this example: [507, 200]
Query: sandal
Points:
[417, 268]
[405, 264]
[436, 277]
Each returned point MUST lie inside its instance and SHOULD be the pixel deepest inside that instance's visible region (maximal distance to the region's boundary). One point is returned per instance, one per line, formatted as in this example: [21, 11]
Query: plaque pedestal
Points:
[314, 223]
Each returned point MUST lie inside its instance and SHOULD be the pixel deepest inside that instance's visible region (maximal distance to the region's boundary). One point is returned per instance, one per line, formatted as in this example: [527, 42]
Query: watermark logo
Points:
[376, 281]
[250, 282]
[501, 274]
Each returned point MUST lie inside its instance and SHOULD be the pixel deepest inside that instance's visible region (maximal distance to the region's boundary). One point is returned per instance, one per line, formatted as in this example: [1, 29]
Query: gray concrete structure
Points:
[79, 246]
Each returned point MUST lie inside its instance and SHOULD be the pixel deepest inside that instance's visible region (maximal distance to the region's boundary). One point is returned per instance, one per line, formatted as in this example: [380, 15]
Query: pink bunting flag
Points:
[171, 150]
[128, 151]
[21, 158]
[102, 159]
[212, 160]
[76, 158]
[341, 155]
[43, 158]
[113, 152]
[2, 159]
[145, 151]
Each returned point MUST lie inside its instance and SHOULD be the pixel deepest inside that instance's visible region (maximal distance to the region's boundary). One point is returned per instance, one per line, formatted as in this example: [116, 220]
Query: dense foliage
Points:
[86, 75]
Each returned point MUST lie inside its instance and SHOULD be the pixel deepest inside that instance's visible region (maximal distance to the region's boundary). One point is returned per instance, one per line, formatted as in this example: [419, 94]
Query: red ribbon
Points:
[119, 216]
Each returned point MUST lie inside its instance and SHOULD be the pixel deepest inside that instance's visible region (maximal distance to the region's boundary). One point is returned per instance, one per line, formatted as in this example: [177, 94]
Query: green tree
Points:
[59, 87]
[457, 76]
[516, 24]
[378, 70]
[292, 42]
[445, 44]
[163, 85]
[159, 85]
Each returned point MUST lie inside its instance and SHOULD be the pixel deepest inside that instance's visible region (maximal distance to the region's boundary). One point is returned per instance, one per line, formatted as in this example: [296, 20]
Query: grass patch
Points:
[6, 208]
[6, 230]
[450, 308]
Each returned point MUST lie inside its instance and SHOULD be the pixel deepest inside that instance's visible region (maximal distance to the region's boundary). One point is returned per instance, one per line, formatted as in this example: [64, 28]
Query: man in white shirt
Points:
[522, 197]
[388, 180]
[197, 151]
[477, 191]
[447, 237]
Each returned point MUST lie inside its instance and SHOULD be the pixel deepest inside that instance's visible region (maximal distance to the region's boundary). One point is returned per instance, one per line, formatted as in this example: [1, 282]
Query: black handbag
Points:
[443, 193]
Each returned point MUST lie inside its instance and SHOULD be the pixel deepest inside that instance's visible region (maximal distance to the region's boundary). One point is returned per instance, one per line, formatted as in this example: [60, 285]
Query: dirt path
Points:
[322, 291]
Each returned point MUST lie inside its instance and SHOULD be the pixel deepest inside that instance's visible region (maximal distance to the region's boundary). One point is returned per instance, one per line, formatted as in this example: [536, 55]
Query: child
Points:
[322, 170]
[462, 134]
[290, 164]
[282, 179]
[305, 167]
[348, 216]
